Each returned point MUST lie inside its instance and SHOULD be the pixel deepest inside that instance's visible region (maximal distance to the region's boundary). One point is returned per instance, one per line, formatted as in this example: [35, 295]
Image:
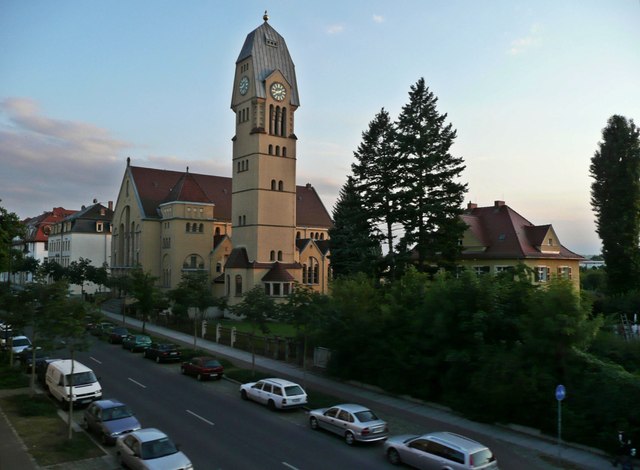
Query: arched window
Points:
[239, 167]
[201, 228]
[217, 232]
[278, 123]
[188, 227]
[272, 119]
[322, 236]
[272, 255]
[279, 255]
[304, 273]
[277, 150]
[316, 274]
[297, 235]
[244, 220]
[270, 149]
[238, 285]
[283, 122]
[284, 151]
[239, 220]
[280, 186]
[273, 185]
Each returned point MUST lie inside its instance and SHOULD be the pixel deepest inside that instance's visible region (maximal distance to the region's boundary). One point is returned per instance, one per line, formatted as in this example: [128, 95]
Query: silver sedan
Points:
[352, 422]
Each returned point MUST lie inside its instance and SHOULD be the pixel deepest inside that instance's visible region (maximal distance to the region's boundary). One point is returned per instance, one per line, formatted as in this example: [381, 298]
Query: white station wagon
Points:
[275, 393]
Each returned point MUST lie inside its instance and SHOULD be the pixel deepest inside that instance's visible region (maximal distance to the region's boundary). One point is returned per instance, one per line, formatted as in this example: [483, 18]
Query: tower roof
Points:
[269, 53]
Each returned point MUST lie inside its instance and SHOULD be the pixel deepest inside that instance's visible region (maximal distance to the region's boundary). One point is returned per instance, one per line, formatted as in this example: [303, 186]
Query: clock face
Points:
[278, 91]
[244, 85]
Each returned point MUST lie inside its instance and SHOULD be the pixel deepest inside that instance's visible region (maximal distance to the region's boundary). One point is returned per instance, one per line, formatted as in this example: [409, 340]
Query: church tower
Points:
[264, 100]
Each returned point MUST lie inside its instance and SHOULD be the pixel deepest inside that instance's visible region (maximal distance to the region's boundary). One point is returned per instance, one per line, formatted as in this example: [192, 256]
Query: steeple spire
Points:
[265, 17]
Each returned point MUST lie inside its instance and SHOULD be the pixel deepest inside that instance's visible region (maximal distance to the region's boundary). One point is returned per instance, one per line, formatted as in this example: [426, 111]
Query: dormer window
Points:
[269, 41]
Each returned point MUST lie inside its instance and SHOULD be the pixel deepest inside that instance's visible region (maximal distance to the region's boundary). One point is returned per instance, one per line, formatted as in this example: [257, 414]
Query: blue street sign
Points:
[561, 393]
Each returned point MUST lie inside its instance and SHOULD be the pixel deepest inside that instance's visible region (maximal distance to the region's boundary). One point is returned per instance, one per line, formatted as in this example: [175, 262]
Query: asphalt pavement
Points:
[14, 455]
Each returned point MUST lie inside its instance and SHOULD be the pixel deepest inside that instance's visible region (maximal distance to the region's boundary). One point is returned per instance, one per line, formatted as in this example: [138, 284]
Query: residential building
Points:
[83, 234]
[257, 228]
[498, 238]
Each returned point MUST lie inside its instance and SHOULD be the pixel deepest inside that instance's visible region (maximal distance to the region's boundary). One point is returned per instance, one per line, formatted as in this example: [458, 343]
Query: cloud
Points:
[520, 45]
[48, 162]
[378, 19]
[335, 29]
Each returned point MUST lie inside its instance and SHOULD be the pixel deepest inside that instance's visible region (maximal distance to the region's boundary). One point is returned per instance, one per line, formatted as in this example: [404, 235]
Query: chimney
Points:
[472, 205]
[498, 203]
[110, 205]
[308, 185]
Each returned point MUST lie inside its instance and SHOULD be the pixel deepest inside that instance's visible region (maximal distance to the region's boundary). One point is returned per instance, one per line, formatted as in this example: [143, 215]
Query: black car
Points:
[25, 357]
[117, 334]
[162, 352]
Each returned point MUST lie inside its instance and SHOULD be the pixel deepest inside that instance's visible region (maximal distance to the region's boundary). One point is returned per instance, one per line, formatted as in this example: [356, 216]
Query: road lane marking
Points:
[290, 466]
[137, 383]
[200, 417]
[94, 359]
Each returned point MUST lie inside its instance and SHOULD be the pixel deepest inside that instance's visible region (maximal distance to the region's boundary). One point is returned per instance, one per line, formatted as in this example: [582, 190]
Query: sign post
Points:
[561, 393]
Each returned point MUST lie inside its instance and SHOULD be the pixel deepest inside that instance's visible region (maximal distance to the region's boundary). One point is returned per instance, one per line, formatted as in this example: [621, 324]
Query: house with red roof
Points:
[498, 239]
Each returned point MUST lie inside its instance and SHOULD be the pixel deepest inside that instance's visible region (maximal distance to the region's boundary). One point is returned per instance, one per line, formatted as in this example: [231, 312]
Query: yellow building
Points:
[498, 238]
[257, 228]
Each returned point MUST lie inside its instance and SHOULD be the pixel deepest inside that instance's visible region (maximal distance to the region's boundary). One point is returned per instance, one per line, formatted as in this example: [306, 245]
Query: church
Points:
[255, 229]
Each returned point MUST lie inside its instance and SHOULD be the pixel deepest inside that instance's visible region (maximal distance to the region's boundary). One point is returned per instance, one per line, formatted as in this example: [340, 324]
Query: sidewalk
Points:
[580, 456]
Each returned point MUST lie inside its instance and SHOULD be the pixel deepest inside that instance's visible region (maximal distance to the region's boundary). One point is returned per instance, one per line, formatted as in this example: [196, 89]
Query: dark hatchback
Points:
[203, 367]
[163, 352]
[117, 334]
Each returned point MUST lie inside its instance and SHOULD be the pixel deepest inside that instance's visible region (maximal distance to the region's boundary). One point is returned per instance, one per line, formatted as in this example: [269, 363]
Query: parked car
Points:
[439, 450]
[19, 344]
[6, 332]
[101, 328]
[162, 352]
[117, 334]
[203, 367]
[109, 419]
[41, 370]
[150, 448]
[353, 422]
[136, 342]
[69, 380]
[275, 393]
[25, 357]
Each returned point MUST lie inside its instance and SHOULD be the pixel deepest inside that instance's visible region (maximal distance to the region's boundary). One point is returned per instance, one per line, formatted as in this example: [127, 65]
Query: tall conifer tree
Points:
[354, 247]
[431, 195]
[615, 198]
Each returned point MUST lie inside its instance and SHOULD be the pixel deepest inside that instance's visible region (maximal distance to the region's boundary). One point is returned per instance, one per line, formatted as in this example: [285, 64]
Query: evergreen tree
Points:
[431, 196]
[354, 247]
[376, 175]
[615, 198]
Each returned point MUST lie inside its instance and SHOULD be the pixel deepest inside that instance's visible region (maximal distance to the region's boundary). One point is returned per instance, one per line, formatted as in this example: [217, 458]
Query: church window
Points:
[276, 289]
[304, 273]
[270, 149]
[316, 274]
[278, 126]
[201, 228]
[277, 150]
[297, 235]
[322, 236]
[273, 185]
[272, 119]
[188, 226]
[272, 255]
[244, 220]
[217, 232]
[279, 255]
[283, 122]
[284, 151]
[246, 164]
[239, 220]
[280, 186]
[286, 288]
[218, 267]
[238, 285]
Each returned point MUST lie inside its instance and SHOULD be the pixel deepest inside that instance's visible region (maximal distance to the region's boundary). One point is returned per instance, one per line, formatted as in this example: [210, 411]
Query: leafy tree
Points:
[10, 228]
[141, 286]
[194, 291]
[377, 173]
[78, 273]
[354, 247]
[99, 276]
[615, 198]
[431, 197]
[54, 270]
[257, 308]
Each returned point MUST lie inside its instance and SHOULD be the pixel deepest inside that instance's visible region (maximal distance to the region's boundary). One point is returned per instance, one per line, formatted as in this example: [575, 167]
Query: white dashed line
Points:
[289, 466]
[94, 359]
[200, 417]
[137, 383]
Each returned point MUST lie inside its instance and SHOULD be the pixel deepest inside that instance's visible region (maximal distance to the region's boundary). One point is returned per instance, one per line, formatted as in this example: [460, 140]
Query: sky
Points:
[528, 86]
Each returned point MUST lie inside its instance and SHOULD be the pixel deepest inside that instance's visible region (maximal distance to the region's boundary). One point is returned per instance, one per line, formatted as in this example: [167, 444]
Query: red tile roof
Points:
[278, 274]
[157, 186]
[41, 223]
[506, 234]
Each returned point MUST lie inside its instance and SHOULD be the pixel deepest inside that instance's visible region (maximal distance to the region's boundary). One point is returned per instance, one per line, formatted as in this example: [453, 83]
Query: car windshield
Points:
[158, 448]
[117, 412]
[81, 378]
[21, 342]
[482, 457]
[143, 339]
[165, 347]
[212, 363]
[292, 390]
[366, 416]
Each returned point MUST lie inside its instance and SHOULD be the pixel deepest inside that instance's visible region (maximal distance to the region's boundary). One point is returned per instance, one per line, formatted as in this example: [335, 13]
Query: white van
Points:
[86, 387]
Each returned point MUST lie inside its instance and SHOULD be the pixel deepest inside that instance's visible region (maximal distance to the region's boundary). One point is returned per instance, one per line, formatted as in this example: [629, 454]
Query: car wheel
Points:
[271, 405]
[313, 422]
[243, 394]
[158, 359]
[349, 438]
[393, 456]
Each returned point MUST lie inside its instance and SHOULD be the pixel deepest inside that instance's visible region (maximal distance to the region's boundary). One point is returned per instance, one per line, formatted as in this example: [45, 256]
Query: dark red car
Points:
[203, 367]
[117, 334]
